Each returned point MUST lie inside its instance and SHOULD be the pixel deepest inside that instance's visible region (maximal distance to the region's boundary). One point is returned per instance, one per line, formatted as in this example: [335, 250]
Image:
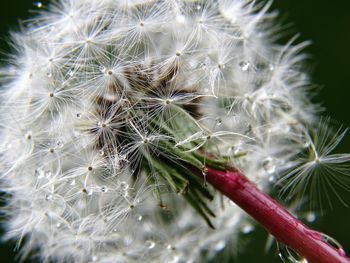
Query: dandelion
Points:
[124, 122]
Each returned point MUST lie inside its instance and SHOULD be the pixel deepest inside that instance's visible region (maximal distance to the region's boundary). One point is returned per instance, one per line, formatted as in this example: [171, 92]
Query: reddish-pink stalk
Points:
[274, 218]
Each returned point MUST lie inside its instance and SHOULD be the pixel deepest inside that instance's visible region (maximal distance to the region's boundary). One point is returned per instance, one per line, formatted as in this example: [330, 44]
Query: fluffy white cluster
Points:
[89, 92]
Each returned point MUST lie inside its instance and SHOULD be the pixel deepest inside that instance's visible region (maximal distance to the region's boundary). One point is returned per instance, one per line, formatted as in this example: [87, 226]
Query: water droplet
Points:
[281, 256]
[205, 171]
[90, 192]
[48, 174]
[287, 254]
[203, 66]
[311, 217]
[28, 135]
[48, 197]
[94, 258]
[198, 7]
[102, 69]
[104, 189]
[244, 65]
[52, 27]
[49, 75]
[220, 245]
[59, 144]
[170, 247]
[269, 165]
[342, 252]
[39, 173]
[78, 115]
[307, 144]
[272, 179]
[38, 4]
[180, 19]
[271, 67]
[218, 121]
[124, 185]
[58, 225]
[150, 244]
[177, 259]
[247, 228]
[140, 218]
[101, 153]
[72, 182]
[334, 243]
[221, 66]
[70, 73]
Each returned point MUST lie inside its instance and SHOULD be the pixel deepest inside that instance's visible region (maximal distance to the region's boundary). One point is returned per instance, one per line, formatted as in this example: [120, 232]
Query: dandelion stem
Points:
[287, 229]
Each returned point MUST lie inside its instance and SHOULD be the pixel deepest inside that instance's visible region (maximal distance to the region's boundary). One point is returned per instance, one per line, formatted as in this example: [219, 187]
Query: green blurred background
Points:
[327, 24]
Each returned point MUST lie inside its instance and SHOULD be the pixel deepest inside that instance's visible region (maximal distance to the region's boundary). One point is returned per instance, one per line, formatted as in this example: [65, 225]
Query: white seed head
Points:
[97, 88]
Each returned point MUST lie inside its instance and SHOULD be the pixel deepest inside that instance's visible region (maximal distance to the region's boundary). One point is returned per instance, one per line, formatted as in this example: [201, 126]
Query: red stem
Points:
[275, 219]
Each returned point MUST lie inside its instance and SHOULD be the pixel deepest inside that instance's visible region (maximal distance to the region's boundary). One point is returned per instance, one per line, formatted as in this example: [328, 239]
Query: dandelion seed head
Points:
[95, 93]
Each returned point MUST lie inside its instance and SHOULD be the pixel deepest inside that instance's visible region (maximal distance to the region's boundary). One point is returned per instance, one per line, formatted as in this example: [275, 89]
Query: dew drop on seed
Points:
[101, 153]
[38, 4]
[140, 218]
[150, 244]
[198, 7]
[311, 217]
[307, 144]
[271, 67]
[237, 150]
[281, 256]
[218, 121]
[269, 165]
[58, 225]
[70, 73]
[244, 65]
[220, 245]
[221, 66]
[59, 144]
[170, 247]
[48, 174]
[39, 173]
[48, 197]
[72, 182]
[124, 185]
[52, 27]
[78, 115]
[104, 189]
[177, 259]
[180, 19]
[94, 258]
[49, 75]
[247, 228]
[28, 136]
[102, 69]
[272, 179]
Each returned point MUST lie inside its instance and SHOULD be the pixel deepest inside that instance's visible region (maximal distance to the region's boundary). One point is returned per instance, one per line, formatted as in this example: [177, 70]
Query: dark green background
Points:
[327, 24]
